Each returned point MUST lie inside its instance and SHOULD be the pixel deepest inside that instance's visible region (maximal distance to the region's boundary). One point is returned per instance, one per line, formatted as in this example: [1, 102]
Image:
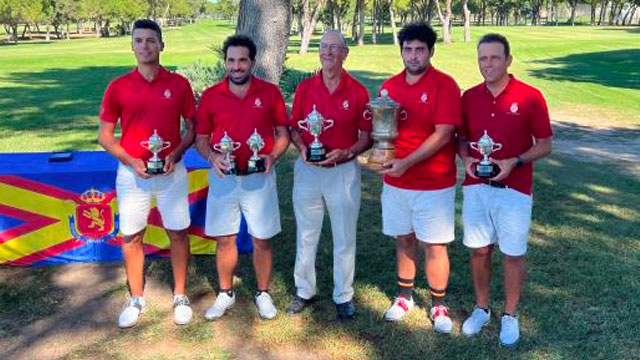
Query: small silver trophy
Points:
[255, 163]
[384, 112]
[155, 144]
[316, 152]
[227, 146]
[486, 146]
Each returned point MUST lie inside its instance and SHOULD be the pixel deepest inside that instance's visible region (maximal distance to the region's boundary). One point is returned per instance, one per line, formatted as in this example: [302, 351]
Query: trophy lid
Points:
[314, 116]
[155, 138]
[255, 138]
[485, 140]
[384, 101]
[226, 140]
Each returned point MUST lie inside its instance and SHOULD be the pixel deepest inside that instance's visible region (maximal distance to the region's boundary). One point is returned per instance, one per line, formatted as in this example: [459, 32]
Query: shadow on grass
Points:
[617, 68]
[56, 100]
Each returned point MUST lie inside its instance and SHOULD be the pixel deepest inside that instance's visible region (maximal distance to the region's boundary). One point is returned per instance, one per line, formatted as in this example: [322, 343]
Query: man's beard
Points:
[240, 81]
[418, 71]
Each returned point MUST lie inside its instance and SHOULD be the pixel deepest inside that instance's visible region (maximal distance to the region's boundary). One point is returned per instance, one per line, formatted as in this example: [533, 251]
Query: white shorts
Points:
[492, 214]
[135, 195]
[255, 196]
[430, 214]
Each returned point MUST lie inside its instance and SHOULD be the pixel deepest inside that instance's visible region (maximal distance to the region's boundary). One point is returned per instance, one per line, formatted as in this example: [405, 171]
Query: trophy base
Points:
[376, 159]
[155, 167]
[255, 166]
[316, 154]
[486, 171]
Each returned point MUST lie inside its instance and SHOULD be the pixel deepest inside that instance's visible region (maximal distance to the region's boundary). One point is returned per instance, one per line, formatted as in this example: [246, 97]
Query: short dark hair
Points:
[147, 24]
[418, 31]
[240, 40]
[496, 38]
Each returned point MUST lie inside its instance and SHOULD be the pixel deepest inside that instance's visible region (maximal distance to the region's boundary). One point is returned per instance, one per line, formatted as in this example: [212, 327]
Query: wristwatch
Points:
[519, 162]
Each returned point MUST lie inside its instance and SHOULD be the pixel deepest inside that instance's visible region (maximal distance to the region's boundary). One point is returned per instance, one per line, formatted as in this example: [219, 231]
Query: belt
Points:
[335, 164]
[496, 184]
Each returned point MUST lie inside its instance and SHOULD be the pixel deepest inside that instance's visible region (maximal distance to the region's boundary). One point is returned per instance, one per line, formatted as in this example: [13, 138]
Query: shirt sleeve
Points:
[279, 111]
[361, 106]
[464, 128]
[540, 120]
[204, 119]
[188, 102]
[448, 104]
[110, 110]
[296, 109]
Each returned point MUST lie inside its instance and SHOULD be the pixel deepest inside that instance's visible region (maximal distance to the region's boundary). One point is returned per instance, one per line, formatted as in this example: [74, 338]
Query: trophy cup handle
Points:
[367, 115]
[329, 122]
[300, 124]
[145, 144]
[217, 148]
[474, 146]
[235, 146]
[403, 114]
[497, 146]
[165, 145]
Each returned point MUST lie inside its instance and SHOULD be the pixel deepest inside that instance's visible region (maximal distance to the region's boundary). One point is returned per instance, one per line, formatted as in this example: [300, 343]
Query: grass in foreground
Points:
[580, 302]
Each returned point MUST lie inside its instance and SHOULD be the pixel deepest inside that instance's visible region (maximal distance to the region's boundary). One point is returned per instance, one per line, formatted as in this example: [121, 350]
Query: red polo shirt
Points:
[433, 100]
[513, 118]
[143, 106]
[345, 106]
[221, 110]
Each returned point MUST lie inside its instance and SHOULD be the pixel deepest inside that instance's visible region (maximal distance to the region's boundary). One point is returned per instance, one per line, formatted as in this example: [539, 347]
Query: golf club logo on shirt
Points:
[167, 94]
[514, 108]
[345, 105]
[257, 103]
[423, 98]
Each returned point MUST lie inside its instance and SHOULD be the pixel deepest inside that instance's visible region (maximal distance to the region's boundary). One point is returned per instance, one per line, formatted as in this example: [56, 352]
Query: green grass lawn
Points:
[583, 289]
[589, 74]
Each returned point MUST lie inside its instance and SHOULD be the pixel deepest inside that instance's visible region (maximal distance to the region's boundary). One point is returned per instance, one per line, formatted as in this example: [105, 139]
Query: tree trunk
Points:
[593, 14]
[309, 22]
[14, 33]
[267, 22]
[392, 20]
[467, 20]
[445, 20]
[47, 37]
[572, 18]
[374, 22]
[354, 24]
[361, 5]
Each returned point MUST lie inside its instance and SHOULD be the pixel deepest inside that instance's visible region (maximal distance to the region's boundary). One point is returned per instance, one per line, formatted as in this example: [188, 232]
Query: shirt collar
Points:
[162, 73]
[253, 86]
[345, 81]
[507, 89]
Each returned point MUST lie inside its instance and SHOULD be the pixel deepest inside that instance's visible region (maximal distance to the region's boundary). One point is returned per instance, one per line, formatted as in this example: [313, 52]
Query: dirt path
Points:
[600, 143]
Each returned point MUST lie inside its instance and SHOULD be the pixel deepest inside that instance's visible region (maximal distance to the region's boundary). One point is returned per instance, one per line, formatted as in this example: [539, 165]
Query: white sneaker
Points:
[398, 309]
[441, 321]
[264, 303]
[222, 303]
[474, 323]
[182, 312]
[132, 311]
[509, 331]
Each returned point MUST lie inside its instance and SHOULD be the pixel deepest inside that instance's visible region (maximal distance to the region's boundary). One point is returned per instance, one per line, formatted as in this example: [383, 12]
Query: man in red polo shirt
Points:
[515, 115]
[148, 100]
[236, 107]
[334, 182]
[419, 184]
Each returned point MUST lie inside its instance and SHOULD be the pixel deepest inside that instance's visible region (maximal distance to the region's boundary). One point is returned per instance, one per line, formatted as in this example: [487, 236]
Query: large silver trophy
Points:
[227, 146]
[486, 146]
[255, 163]
[383, 111]
[316, 124]
[155, 144]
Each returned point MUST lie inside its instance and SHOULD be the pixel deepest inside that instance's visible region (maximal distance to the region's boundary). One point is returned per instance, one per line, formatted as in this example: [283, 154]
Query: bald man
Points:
[333, 182]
